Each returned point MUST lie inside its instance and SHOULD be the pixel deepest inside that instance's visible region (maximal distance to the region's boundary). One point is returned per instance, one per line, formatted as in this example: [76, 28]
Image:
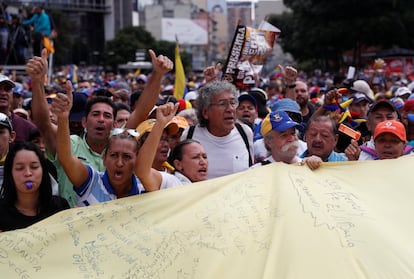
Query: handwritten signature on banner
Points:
[333, 206]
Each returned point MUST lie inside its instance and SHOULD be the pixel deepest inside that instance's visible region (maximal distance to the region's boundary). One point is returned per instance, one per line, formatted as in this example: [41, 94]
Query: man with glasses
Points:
[229, 145]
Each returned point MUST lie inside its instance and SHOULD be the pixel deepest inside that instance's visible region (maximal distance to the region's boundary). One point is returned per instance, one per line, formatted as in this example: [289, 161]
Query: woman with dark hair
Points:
[26, 195]
[190, 161]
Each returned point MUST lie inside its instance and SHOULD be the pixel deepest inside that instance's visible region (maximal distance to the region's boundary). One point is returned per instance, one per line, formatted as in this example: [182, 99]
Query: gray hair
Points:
[190, 115]
[206, 93]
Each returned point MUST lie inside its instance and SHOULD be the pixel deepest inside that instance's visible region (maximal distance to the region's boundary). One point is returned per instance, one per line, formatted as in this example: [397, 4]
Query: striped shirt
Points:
[97, 188]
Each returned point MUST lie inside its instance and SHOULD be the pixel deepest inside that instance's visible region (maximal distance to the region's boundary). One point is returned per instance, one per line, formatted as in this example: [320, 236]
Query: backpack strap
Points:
[246, 141]
[190, 132]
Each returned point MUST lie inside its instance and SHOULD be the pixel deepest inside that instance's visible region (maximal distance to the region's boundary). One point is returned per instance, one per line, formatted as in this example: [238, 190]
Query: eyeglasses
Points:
[118, 131]
[223, 104]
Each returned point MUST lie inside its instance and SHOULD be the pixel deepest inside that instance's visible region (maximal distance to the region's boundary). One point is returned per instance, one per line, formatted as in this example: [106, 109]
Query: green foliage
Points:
[122, 48]
[320, 31]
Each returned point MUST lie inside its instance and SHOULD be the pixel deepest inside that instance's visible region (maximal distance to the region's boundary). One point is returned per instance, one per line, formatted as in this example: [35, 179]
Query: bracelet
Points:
[290, 86]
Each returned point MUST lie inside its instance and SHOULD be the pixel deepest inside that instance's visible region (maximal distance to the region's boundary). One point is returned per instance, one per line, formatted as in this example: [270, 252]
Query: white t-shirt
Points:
[226, 155]
[169, 181]
[184, 179]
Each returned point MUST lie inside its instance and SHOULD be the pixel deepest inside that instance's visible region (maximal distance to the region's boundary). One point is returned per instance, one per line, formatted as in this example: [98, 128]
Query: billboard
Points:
[217, 6]
[187, 31]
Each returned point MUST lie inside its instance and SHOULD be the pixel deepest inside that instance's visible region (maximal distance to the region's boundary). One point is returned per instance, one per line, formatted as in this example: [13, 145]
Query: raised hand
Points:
[160, 64]
[289, 74]
[37, 67]
[62, 104]
[352, 151]
[212, 72]
[166, 112]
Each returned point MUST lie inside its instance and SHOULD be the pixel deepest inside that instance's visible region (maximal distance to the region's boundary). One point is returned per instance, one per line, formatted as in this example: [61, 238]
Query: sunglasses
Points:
[118, 131]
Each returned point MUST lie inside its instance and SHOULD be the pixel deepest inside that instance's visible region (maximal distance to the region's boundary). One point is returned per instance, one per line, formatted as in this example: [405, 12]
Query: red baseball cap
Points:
[391, 126]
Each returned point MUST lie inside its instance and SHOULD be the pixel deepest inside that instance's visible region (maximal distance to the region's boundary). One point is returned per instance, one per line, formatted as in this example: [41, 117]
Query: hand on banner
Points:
[211, 73]
[313, 162]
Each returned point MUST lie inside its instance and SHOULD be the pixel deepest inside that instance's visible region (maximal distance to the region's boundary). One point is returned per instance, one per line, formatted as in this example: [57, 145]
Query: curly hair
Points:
[206, 93]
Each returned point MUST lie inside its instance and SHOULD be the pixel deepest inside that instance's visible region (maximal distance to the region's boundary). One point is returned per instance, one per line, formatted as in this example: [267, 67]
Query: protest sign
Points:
[248, 52]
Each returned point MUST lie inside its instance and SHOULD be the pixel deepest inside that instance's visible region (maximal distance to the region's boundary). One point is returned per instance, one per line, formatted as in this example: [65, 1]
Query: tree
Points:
[320, 31]
[122, 48]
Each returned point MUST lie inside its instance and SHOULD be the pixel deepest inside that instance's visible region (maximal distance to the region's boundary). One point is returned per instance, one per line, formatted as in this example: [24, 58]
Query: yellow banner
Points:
[345, 220]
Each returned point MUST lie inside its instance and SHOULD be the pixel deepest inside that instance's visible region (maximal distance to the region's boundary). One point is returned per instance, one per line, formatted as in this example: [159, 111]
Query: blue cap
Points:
[277, 121]
[359, 97]
[77, 111]
[286, 105]
[111, 83]
[84, 91]
[18, 90]
[248, 97]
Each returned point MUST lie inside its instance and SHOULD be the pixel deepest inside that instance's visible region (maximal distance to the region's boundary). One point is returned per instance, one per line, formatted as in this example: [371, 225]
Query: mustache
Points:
[288, 145]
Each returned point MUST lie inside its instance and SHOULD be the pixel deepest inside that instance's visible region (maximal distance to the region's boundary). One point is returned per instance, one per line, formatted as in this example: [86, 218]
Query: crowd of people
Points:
[109, 136]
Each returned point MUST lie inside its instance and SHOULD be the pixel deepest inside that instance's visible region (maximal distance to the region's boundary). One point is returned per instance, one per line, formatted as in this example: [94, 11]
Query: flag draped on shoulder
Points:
[179, 84]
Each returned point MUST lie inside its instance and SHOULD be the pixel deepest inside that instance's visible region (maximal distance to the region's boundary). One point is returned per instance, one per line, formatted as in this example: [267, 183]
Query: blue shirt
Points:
[97, 188]
[41, 24]
[333, 157]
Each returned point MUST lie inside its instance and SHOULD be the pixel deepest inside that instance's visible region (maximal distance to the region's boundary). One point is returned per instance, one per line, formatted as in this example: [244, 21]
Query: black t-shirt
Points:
[13, 219]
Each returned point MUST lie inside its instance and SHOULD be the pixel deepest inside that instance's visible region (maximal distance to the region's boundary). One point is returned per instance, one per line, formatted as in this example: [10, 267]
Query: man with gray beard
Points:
[280, 134]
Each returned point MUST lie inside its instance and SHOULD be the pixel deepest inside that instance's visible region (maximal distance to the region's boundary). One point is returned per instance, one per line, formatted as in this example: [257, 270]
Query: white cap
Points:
[363, 87]
[191, 95]
[6, 79]
[402, 91]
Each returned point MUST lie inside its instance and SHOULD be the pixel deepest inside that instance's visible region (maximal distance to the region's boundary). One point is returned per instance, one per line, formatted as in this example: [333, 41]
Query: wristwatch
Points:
[290, 86]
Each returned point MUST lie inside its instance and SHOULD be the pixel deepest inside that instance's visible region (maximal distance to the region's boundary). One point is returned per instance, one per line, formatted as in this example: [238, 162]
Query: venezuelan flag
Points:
[277, 72]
